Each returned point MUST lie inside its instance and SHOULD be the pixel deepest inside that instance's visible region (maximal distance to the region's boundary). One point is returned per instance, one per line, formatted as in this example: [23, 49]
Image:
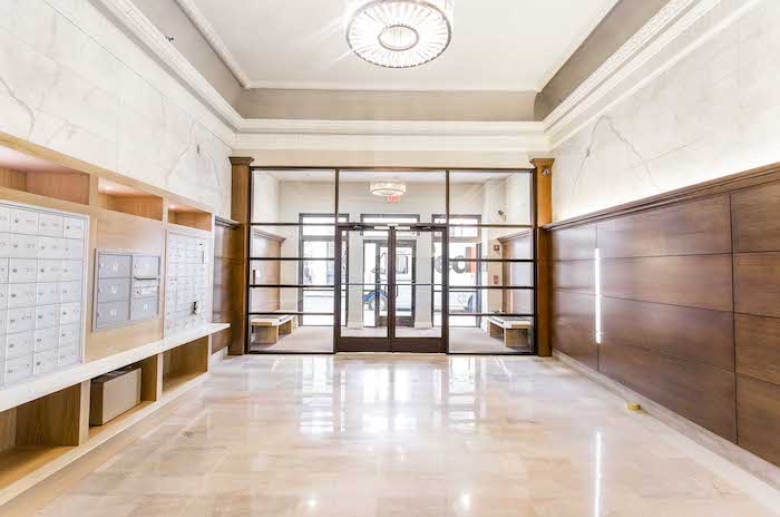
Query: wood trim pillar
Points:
[241, 203]
[543, 204]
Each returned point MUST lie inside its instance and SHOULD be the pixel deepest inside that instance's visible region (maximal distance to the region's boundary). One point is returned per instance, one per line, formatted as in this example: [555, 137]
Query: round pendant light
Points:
[388, 188]
[399, 33]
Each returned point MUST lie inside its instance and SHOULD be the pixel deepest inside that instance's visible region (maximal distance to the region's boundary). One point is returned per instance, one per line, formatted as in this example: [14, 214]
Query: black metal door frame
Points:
[391, 342]
[338, 302]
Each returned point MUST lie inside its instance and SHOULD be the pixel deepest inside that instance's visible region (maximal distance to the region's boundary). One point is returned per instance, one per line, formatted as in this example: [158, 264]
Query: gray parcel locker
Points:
[128, 288]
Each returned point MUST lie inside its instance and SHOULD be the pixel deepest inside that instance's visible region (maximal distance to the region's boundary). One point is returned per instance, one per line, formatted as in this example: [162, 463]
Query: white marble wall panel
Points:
[70, 80]
[715, 113]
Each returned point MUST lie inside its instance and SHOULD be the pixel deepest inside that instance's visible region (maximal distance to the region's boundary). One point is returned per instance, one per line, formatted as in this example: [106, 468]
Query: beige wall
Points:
[387, 105]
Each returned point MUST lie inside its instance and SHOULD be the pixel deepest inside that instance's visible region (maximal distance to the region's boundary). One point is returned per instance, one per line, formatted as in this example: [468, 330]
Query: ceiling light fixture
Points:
[388, 188]
[399, 33]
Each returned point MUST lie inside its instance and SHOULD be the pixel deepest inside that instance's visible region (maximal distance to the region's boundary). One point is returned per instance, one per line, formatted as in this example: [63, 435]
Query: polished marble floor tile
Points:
[427, 436]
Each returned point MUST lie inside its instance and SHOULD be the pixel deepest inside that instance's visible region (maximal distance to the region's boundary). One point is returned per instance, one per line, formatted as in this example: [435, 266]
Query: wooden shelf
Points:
[185, 363]
[19, 462]
[54, 182]
[14, 396]
[129, 200]
[119, 421]
[190, 216]
[171, 384]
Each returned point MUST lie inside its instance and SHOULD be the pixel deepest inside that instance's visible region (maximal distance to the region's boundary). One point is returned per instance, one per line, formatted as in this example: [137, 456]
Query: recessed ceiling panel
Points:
[496, 44]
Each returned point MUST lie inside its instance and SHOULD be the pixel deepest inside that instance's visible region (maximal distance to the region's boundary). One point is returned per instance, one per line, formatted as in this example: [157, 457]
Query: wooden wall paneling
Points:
[578, 276]
[544, 294]
[758, 347]
[240, 211]
[575, 243]
[59, 419]
[701, 393]
[756, 219]
[228, 281]
[689, 333]
[573, 331]
[265, 272]
[757, 283]
[691, 301]
[698, 228]
[703, 281]
[759, 417]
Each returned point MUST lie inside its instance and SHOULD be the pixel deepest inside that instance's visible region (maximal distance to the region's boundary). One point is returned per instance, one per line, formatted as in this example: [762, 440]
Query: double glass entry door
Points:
[389, 288]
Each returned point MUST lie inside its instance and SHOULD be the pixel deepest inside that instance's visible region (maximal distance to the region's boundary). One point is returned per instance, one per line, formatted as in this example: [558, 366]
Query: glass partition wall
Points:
[416, 261]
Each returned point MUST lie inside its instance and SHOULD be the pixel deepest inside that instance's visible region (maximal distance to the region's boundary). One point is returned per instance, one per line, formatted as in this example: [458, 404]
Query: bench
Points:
[514, 331]
[266, 329]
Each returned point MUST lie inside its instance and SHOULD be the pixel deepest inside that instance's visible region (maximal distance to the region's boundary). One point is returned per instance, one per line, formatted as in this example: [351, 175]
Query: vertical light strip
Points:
[597, 266]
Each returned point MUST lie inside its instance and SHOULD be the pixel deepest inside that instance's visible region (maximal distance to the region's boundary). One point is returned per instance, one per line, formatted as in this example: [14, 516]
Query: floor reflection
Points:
[380, 435]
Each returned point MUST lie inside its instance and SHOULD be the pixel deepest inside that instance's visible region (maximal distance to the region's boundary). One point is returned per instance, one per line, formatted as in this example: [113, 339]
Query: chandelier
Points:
[388, 188]
[399, 33]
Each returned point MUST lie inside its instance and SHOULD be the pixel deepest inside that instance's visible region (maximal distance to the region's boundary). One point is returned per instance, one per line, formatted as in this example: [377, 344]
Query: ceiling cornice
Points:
[142, 28]
[210, 34]
[678, 29]
[392, 127]
[519, 137]
[418, 87]
[598, 79]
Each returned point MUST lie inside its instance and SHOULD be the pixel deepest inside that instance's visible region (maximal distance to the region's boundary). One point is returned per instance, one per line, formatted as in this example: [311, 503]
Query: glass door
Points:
[389, 294]
[364, 287]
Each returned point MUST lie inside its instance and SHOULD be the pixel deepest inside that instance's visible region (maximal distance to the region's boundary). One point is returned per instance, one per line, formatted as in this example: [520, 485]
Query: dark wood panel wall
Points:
[687, 285]
[228, 282]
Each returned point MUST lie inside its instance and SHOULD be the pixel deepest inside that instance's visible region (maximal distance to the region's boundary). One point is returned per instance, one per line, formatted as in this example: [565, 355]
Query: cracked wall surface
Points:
[715, 113]
[70, 80]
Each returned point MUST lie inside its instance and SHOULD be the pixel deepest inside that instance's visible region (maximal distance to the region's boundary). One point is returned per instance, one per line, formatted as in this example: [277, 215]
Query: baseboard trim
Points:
[759, 471]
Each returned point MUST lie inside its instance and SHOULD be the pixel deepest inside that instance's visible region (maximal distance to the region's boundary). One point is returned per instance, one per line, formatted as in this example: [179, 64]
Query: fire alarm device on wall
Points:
[496, 247]
[495, 279]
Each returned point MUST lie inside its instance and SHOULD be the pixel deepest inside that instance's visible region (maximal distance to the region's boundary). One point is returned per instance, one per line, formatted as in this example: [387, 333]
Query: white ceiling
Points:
[497, 44]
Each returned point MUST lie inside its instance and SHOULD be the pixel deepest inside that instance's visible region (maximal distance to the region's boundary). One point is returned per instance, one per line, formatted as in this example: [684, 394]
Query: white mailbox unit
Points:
[43, 271]
[187, 300]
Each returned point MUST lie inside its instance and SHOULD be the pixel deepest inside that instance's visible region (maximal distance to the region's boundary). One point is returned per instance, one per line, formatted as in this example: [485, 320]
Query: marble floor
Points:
[410, 436]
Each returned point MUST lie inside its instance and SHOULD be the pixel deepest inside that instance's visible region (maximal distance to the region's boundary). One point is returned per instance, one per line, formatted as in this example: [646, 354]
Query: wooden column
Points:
[241, 203]
[543, 176]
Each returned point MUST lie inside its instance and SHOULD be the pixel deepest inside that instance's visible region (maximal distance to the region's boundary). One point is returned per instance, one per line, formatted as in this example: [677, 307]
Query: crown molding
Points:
[678, 29]
[210, 34]
[389, 127]
[133, 20]
[425, 86]
[629, 50]
[520, 137]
